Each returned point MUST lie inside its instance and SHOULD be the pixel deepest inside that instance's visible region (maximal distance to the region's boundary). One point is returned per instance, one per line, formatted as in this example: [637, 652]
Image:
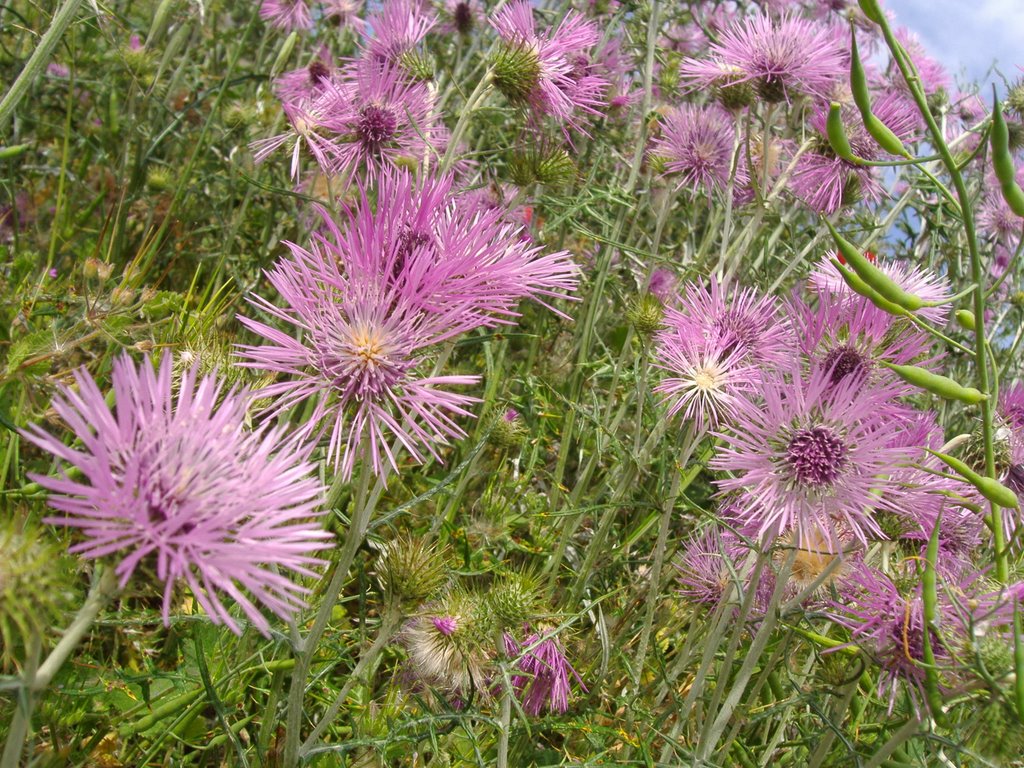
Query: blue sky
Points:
[966, 35]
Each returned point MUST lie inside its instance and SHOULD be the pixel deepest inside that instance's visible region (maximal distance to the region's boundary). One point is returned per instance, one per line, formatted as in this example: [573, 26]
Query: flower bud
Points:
[646, 313]
[516, 72]
[513, 599]
[410, 570]
[509, 430]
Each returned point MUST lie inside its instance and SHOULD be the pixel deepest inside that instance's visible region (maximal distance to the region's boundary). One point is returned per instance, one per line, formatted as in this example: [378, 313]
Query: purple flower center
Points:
[463, 17]
[816, 456]
[376, 125]
[318, 72]
[446, 625]
[162, 506]
[845, 361]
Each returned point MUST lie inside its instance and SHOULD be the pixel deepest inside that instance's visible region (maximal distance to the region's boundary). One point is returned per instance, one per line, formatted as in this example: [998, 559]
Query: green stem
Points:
[364, 504]
[475, 99]
[39, 58]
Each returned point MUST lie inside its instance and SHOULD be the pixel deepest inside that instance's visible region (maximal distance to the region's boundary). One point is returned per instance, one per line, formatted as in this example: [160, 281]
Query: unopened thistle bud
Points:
[419, 65]
[508, 430]
[735, 94]
[646, 313]
[516, 72]
[513, 599]
[411, 570]
[159, 178]
[1015, 98]
[973, 452]
[999, 733]
[552, 166]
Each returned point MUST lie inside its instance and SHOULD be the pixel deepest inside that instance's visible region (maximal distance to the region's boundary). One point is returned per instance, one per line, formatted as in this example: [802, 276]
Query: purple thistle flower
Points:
[705, 376]
[782, 57]
[1011, 407]
[398, 28]
[564, 80]
[849, 336]
[697, 144]
[444, 649]
[463, 16]
[345, 13]
[182, 479]
[707, 565]
[308, 128]
[379, 118]
[371, 299]
[286, 14]
[306, 83]
[544, 672]
[995, 218]
[812, 455]
[743, 317]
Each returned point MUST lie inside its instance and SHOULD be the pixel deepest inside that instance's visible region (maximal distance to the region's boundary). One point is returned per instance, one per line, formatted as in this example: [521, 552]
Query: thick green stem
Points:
[39, 58]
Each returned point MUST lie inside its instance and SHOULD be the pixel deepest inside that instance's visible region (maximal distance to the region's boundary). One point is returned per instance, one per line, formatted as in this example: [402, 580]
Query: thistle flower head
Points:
[182, 479]
[548, 70]
[737, 318]
[447, 643]
[811, 456]
[543, 679]
[781, 57]
[373, 294]
[514, 598]
[286, 14]
[696, 144]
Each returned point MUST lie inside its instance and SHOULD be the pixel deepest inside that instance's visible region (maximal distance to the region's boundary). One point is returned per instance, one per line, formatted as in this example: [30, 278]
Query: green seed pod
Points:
[859, 286]
[966, 319]
[991, 489]
[874, 277]
[937, 384]
[282, 55]
[836, 133]
[878, 130]
[872, 10]
[1002, 162]
[9, 153]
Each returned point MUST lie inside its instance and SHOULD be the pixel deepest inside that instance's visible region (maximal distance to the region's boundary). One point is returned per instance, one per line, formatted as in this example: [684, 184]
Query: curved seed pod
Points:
[1002, 162]
[991, 489]
[13, 151]
[966, 319]
[836, 133]
[859, 286]
[878, 130]
[937, 384]
[875, 278]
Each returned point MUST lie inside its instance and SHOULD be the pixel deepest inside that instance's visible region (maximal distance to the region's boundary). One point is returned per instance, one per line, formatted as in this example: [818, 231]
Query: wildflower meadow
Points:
[435, 383]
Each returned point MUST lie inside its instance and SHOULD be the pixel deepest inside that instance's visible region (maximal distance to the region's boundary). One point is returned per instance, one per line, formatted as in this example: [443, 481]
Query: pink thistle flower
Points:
[379, 118]
[306, 83]
[708, 565]
[398, 29]
[697, 144]
[182, 479]
[1011, 407]
[544, 672]
[286, 14]
[886, 618]
[782, 57]
[308, 128]
[705, 377]
[825, 278]
[850, 337]
[740, 316]
[563, 79]
[812, 455]
[372, 298]
[463, 16]
[345, 13]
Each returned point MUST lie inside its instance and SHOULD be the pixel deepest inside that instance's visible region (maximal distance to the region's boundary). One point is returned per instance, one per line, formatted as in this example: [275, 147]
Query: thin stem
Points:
[505, 725]
[475, 99]
[387, 627]
[364, 504]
